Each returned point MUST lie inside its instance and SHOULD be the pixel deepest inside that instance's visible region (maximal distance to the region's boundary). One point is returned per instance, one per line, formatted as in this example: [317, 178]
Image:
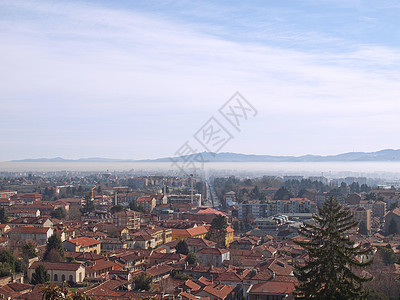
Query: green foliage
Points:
[182, 248]
[88, 207]
[40, 276]
[283, 194]
[54, 244]
[3, 216]
[58, 213]
[9, 264]
[192, 259]
[28, 250]
[177, 274]
[328, 274]
[143, 282]
[116, 208]
[217, 232]
[133, 206]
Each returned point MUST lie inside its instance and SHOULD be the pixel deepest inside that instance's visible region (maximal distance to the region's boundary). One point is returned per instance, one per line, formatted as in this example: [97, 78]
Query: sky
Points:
[137, 79]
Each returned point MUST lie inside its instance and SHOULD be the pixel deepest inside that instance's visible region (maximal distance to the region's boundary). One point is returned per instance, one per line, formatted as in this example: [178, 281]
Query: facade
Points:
[198, 232]
[60, 272]
[212, 256]
[83, 244]
[362, 215]
[38, 234]
[147, 202]
[392, 221]
[127, 218]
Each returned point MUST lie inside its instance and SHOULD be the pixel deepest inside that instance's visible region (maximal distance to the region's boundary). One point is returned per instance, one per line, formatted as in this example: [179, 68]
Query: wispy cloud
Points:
[75, 73]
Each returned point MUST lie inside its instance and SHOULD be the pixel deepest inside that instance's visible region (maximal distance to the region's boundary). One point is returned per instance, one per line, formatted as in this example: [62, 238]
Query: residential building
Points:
[83, 244]
[38, 234]
[127, 218]
[60, 272]
[212, 256]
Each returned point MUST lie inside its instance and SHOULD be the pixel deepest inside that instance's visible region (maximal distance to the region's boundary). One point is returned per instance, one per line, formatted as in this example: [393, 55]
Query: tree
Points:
[182, 248]
[116, 208]
[283, 194]
[40, 276]
[327, 273]
[88, 207]
[54, 243]
[3, 216]
[142, 282]
[28, 251]
[217, 232]
[58, 213]
[192, 259]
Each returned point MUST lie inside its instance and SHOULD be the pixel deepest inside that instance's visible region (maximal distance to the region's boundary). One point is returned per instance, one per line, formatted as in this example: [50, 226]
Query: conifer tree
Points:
[328, 273]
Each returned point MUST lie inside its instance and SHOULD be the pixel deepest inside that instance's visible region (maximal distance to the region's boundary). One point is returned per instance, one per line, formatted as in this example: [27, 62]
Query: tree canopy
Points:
[54, 246]
[182, 248]
[328, 272]
[143, 282]
[217, 232]
[40, 275]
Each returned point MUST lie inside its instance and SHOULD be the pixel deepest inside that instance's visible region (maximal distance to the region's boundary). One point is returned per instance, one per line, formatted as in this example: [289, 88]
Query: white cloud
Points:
[111, 72]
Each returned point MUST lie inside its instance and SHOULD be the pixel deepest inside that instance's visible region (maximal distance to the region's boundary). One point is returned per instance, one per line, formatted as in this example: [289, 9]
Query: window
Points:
[55, 277]
[71, 278]
[80, 277]
[62, 277]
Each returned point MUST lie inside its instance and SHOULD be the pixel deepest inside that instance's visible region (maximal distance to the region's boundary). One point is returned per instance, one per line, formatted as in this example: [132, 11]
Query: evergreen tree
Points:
[192, 259]
[40, 276]
[327, 273]
[143, 282]
[28, 251]
[217, 232]
[283, 194]
[54, 244]
[3, 216]
[58, 213]
[182, 248]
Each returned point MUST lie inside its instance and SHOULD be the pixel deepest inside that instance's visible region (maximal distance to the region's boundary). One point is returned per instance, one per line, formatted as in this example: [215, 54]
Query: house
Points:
[100, 268]
[216, 291]
[23, 211]
[392, 221]
[29, 197]
[38, 234]
[271, 290]
[212, 256]
[112, 244]
[83, 244]
[6, 194]
[195, 244]
[32, 221]
[147, 202]
[127, 218]
[142, 241]
[198, 232]
[61, 272]
[4, 228]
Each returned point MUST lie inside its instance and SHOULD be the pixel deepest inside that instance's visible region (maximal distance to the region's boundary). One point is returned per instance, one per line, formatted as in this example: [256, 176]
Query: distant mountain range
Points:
[383, 155]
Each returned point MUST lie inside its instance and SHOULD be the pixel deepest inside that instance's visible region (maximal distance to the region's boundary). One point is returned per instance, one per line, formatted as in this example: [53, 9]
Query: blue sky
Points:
[136, 79]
